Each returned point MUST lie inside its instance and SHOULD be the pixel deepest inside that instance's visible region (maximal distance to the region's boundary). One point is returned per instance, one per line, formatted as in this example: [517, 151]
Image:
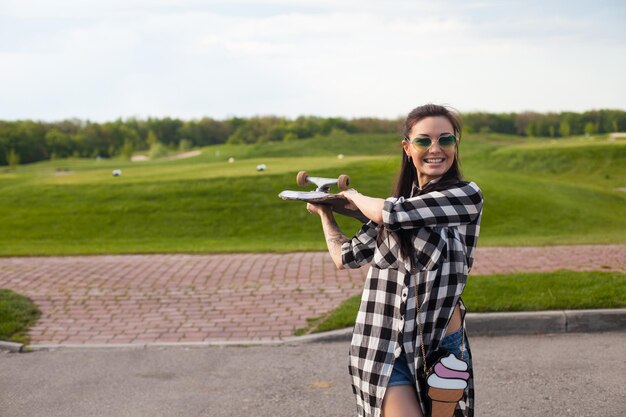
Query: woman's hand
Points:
[319, 209]
[349, 193]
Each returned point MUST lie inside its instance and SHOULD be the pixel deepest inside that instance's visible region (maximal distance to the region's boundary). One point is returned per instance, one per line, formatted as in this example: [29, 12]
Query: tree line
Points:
[25, 141]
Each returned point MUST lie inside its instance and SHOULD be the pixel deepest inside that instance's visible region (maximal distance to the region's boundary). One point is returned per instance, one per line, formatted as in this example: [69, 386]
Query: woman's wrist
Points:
[325, 212]
[334, 237]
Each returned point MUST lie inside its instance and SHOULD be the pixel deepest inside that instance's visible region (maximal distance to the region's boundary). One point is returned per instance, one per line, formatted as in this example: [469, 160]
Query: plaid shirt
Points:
[445, 227]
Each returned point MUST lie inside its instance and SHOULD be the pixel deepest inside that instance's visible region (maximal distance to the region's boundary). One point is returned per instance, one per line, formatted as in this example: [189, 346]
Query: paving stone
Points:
[167, 298]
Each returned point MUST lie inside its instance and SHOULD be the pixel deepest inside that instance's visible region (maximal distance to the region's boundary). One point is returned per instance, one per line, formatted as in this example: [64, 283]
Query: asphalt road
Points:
[526, 376]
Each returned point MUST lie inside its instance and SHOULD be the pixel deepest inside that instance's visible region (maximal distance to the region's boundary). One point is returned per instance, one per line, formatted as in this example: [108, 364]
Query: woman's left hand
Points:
[349, 195]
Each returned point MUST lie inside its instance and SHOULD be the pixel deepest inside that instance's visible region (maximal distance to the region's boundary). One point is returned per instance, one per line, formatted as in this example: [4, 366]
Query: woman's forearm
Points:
[334, 238]
[371, 207]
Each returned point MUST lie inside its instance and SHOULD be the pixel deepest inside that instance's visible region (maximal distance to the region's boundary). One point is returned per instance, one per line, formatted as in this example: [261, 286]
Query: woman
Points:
[421, 241]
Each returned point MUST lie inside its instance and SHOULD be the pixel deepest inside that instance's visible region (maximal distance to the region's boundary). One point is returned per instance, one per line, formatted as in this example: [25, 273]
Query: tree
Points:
[13, 158]
[552, 131]
[250, 132]
[152, 138]
[590, 128]
[290, 137]
[526, 123]
[127, 150]
[185, 145]
[34, 141]
[167, 130]
[158, 150]
[58, 143]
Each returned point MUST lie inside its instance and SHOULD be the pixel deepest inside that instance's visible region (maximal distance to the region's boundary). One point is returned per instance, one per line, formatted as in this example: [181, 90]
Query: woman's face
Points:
[435, 161]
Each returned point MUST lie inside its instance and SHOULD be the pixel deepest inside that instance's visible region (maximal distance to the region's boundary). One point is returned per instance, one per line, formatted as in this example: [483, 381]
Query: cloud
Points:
[102, 60]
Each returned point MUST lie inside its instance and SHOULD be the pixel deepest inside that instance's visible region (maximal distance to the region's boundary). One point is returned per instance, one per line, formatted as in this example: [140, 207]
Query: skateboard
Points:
[322, 194]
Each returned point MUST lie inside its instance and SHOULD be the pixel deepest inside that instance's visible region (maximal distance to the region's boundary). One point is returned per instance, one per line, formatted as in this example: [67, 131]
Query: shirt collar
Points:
[416, 189]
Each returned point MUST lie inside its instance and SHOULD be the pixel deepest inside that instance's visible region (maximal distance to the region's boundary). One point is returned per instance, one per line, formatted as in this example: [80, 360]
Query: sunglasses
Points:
[424, 143]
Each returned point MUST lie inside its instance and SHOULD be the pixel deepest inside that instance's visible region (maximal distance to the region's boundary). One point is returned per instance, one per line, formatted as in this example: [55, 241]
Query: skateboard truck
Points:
[321, 195]
[323, 184]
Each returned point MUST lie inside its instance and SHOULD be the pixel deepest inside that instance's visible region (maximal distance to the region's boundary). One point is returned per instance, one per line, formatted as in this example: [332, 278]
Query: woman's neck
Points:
[423, 181]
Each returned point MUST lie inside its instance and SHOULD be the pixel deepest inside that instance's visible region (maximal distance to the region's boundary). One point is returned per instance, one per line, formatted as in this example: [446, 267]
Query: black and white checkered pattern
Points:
[445, 226]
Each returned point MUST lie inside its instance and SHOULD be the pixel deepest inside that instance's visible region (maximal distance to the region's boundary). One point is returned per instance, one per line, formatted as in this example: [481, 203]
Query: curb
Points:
[478, 324]
[543, 322]
[523, 323]
[331, 336]
[11, 346]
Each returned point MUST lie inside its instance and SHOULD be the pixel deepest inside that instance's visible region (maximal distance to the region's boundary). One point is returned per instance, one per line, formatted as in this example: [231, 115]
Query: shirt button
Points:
[405, 294]
[401, 324]
[397, 352]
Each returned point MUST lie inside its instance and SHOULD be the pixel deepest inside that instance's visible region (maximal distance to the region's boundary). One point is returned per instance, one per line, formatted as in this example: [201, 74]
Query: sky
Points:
[102, 60]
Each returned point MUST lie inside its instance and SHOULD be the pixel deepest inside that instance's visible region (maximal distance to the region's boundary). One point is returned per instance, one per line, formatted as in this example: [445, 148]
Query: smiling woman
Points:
[420, 243]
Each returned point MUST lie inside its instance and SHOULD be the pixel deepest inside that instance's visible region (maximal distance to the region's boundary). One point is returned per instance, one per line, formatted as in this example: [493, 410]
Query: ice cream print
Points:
[446, 385]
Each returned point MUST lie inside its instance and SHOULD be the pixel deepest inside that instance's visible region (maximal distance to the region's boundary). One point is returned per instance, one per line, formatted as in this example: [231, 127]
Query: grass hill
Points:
[537, 192]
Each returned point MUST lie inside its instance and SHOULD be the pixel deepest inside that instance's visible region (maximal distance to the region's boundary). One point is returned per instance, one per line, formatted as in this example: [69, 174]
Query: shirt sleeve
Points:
[359, 250]
[452, 207]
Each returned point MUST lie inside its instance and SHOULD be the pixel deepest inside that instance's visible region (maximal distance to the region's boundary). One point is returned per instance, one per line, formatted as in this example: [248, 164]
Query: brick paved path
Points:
[193, 298]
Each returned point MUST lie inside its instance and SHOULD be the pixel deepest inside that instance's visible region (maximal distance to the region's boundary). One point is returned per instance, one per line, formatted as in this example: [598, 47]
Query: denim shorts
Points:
[453, 344]
[401, 375]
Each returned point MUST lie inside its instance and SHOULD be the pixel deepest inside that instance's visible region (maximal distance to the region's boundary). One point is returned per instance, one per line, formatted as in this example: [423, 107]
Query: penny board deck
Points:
[338, 203]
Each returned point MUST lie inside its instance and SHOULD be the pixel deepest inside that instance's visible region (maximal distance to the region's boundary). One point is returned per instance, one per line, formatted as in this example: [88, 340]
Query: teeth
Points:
[434, 161]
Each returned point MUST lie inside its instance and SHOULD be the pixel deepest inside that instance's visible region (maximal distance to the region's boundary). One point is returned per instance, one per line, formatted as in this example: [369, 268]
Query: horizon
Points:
[230, 117]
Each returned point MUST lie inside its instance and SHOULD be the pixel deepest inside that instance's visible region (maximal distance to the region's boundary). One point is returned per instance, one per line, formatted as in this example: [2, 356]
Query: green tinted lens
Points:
[447, 141]
[422, 142]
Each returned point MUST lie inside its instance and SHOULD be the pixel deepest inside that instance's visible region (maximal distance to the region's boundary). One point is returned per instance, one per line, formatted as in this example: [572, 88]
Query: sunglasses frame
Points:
[420, 147]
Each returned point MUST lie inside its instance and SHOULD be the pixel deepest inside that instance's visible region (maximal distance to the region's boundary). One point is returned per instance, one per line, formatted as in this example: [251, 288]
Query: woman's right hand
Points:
[319, 209]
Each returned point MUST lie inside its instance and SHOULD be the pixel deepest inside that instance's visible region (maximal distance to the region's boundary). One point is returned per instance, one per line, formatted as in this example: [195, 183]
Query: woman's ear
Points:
[407, 148]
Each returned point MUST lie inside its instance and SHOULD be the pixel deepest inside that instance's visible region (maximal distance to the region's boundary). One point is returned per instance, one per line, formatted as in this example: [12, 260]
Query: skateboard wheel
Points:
[301, 178]
[343, 182]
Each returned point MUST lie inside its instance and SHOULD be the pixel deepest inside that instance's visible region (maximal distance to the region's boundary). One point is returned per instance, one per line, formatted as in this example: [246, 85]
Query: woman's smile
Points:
[434, 161]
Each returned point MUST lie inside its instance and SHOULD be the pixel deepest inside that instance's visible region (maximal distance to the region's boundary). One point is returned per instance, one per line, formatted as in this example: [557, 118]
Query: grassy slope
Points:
[535, 194]
[17, 313]
[566, 190]
[513, 292]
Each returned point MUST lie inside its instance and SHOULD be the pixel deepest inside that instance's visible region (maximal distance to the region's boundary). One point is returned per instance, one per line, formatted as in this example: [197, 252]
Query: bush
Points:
[127, 150]
[158, 150]
[290, 137]
[185, 145]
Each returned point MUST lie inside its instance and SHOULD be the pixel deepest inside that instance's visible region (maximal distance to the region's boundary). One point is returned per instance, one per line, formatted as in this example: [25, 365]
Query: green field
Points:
[537, 192]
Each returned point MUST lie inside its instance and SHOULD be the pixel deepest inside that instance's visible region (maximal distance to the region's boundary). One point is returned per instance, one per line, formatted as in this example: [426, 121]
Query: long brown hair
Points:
[408, 175]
